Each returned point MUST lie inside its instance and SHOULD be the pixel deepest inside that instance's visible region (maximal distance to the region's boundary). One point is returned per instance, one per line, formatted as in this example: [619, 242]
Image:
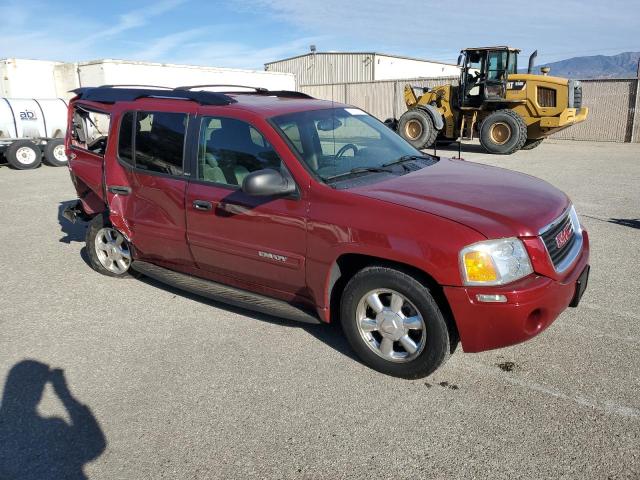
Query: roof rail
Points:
[134, 85]
[258, 90]
[191, 87]
[108, 94]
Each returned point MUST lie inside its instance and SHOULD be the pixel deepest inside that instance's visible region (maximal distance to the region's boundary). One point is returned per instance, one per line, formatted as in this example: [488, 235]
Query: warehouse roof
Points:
[360, 53]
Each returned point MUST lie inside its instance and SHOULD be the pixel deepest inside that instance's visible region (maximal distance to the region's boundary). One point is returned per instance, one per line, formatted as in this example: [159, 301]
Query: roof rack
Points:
[127, 93]
[109, 94]
[191, 87]
[257, 90]
[118, 85]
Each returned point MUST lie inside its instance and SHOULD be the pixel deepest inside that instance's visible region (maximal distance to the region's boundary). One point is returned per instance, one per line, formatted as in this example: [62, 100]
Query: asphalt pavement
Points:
[156, 383]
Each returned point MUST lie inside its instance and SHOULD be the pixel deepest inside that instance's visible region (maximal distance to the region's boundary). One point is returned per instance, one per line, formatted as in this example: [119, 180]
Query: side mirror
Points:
[459, 60]
[267, 182]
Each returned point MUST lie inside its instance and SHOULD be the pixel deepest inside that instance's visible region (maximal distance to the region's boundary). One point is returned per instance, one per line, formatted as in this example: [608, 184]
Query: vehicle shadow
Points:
[73, 232]
[626, 222]
[330, 334]
[37, 447]
[451, 150]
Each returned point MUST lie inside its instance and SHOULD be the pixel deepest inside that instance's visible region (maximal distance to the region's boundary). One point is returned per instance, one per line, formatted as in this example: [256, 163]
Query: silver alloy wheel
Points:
[391, 326]
[26, 155]
[112, 250]
[58, 153]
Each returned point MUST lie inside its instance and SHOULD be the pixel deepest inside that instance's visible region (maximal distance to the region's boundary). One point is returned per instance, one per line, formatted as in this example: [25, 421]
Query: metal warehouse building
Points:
[318, 68]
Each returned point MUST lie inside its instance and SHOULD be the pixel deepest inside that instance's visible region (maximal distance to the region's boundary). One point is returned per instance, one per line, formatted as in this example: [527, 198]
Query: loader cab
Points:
[483, 74]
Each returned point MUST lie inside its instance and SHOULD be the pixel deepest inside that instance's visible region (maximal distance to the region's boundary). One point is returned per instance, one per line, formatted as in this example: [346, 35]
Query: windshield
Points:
[336, 142]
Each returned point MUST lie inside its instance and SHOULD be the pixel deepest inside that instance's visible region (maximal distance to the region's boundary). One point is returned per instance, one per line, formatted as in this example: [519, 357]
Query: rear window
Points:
[153, 141]
[90, 130]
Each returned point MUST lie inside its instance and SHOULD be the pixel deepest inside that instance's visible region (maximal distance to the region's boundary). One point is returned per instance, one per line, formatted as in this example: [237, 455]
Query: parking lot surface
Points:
[180, 387]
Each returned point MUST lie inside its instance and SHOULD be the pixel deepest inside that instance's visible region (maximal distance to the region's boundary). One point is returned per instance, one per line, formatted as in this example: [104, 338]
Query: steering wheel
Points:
[344, 148]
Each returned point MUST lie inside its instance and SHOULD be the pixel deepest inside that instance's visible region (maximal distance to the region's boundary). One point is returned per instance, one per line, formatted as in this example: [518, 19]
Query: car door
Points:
[256, 240]
[146, 184]
[86, 141]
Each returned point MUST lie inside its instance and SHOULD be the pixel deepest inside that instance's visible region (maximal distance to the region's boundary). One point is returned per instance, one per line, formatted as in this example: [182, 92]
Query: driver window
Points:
[229, 149]
[474, 69]
[496, 65]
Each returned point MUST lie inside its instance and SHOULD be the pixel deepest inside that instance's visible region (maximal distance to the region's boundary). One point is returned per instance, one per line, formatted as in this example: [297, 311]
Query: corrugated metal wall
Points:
[381, 99]
[614, 109]
[610, 113]
[325, 68]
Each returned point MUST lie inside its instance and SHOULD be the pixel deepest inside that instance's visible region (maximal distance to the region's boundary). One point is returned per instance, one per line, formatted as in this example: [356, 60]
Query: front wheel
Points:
[417, 128]
[531, 144]
[108, 250]
[393, 323]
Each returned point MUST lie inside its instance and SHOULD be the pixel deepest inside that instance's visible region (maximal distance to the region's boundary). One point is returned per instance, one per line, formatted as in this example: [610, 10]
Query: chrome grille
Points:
[563, 256]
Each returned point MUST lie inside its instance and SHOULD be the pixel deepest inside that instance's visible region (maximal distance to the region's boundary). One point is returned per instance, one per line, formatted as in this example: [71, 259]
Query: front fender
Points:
[435, 115]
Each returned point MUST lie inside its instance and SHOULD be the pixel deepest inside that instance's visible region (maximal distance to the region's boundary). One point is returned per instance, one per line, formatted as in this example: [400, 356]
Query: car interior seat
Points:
[232, 145]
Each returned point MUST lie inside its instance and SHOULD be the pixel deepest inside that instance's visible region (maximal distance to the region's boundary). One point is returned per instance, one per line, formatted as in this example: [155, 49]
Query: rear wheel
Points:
[393, 323]
[503, 132]
[54, 153]
[531, 144]
[23, 155]
[416, 127]
[108, 249]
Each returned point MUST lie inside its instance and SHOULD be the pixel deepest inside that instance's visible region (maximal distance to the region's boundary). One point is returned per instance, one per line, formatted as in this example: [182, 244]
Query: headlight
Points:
[494, 262]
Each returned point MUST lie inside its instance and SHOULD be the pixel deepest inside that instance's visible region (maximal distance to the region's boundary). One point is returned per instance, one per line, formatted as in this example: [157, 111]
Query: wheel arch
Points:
[435, 115]
[345, 266]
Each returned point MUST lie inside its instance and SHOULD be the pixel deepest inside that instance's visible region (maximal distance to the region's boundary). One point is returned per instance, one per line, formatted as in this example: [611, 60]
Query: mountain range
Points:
[623, 65]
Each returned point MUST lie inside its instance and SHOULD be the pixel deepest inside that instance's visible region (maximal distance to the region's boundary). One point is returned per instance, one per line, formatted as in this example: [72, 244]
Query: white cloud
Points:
[135, 18]
[438, 29]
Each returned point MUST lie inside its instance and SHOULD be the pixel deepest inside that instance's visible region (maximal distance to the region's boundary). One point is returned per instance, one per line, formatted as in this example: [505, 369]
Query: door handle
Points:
[202, 205]
[119, 190]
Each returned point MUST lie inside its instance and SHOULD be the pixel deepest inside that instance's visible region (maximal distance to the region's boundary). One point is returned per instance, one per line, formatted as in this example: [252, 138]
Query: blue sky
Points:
[248, 33]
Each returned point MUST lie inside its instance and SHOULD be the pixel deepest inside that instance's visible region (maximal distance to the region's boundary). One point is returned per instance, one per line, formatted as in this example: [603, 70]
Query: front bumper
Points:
[533, 303]
[568, 117]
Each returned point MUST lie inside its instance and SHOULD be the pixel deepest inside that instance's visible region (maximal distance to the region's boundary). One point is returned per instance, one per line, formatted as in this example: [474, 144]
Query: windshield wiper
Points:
[405, 158]
[359, 170]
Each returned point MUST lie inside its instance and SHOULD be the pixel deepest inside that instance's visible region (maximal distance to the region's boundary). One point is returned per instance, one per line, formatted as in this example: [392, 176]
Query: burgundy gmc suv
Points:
[315, 211]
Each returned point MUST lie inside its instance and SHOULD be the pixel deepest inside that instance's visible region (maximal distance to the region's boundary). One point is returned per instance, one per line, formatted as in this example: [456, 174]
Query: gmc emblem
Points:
[563, 237]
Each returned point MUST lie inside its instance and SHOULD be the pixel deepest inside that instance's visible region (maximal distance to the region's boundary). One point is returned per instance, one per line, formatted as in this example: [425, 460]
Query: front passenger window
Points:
[229, 149]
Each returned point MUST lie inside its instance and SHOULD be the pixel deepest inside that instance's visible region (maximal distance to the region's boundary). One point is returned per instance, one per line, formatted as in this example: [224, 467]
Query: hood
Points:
[493, 201]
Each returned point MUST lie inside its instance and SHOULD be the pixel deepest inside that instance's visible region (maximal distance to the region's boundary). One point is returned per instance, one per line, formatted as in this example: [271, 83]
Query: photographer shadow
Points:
[36, 447]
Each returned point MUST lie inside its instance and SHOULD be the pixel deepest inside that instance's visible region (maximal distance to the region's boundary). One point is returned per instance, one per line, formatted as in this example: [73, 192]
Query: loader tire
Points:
[503, 132]
[416, 127]
[531, 144]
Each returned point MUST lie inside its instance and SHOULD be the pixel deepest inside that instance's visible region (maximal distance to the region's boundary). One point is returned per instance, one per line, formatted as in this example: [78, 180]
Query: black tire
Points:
[98, 223]
[531, 144]
[436, 334]
[416, 127]
[513, 138]
[51, 149]
[391, 123]
[23, 155]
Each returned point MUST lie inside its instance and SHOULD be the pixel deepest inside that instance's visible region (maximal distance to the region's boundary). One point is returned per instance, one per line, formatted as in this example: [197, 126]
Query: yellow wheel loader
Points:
[506, 110]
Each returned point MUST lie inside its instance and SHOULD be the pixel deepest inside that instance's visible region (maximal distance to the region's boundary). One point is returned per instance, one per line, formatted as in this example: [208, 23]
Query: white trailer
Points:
[31, 128]
[117, 72]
